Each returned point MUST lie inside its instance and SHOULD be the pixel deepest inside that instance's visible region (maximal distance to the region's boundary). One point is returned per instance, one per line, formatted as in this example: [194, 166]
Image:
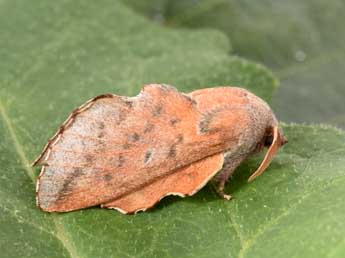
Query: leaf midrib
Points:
[61, 232]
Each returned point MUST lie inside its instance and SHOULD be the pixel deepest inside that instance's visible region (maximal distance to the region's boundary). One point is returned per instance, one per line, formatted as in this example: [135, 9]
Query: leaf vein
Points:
[61, 232]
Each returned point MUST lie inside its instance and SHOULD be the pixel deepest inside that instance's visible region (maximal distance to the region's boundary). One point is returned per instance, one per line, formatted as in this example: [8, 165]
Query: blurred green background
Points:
[302, 42]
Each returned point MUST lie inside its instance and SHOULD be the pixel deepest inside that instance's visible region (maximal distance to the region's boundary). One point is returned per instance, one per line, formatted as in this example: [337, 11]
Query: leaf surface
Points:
[55, 56]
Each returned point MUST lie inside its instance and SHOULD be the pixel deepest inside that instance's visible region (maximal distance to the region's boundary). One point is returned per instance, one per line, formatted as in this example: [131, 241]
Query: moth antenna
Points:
[278, 141]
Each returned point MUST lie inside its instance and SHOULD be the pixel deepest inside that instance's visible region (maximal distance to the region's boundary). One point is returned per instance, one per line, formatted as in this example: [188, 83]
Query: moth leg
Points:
[219, 187]
[223, 176]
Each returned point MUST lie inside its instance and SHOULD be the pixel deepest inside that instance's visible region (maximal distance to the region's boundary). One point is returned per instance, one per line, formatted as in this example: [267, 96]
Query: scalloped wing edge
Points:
[55, 138]
[218, 158]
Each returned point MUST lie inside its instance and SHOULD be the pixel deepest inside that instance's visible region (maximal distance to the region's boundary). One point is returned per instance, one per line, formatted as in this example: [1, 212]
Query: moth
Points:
[127, 153]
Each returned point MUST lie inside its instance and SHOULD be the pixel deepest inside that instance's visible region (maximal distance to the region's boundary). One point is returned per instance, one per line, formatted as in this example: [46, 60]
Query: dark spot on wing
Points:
[122, 116]
[77, 172]
[204, 125]
[157, 111]
[174, 121]
[126, 146]
[206, 120]
[89, 158]
[134, 137]
[172, 151]
[148, 155]
[65, 188]
[189, 99]
[100, 135]
[108, 177]
[120, 161]
[128, 103]
[180, 138]
[101, 145]
[101, 125]
[69, 182]
[173, 148]
[149, 128]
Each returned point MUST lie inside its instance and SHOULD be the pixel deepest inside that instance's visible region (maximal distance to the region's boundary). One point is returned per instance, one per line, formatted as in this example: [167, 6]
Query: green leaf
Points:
[54, 56]
[302, 41]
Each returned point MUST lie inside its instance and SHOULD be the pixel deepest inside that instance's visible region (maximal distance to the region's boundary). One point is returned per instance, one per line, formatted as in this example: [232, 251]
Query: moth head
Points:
[273, 139]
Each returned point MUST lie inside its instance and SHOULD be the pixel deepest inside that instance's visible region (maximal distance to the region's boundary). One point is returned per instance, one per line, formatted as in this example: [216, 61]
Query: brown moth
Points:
[127, 153]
